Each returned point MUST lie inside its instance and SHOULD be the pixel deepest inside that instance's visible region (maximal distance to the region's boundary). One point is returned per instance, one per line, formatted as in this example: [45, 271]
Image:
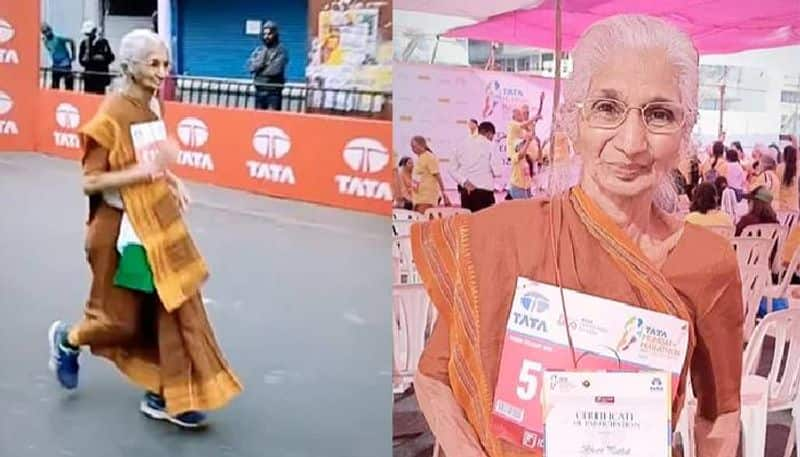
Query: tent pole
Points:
[556, 83]
[435, 48]
[721, 109]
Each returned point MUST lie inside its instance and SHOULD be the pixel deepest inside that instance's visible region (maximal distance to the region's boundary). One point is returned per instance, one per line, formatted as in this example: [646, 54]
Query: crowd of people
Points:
[766, 178]
[267, 62]
[474, 165]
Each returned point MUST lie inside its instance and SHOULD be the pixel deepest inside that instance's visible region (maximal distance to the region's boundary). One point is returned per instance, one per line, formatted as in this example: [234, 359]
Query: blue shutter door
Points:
[212, 42]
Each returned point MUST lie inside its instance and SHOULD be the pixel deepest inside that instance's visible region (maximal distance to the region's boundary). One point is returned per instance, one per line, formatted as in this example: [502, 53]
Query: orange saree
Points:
[470, 264]
[161, 342]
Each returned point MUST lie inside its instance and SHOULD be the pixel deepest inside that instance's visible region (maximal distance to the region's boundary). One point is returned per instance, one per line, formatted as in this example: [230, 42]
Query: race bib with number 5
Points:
[607, 336]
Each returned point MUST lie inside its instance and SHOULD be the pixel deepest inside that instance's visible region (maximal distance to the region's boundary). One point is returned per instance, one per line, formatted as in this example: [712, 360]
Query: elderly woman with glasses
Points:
[629, 108]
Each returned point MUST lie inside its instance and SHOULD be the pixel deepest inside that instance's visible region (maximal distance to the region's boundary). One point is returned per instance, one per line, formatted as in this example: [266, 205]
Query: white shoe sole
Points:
[51, 333]
[159, 414]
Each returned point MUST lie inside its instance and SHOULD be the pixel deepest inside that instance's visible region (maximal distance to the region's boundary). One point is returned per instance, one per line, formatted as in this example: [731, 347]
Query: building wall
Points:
[212, 39]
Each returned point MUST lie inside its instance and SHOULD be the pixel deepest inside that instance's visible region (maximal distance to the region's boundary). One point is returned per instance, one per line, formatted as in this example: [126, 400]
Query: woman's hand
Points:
[178, 191]
[167, 153]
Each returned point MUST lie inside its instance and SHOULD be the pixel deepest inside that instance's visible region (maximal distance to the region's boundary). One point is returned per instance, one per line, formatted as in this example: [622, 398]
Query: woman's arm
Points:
[436, 400]
[717, 365]
[445, 418]
[112, 180]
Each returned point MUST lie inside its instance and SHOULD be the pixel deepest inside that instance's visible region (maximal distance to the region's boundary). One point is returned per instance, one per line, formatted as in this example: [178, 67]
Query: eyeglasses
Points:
[658, 117]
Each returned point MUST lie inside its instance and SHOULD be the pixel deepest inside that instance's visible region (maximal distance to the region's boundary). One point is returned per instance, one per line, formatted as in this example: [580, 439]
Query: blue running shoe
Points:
[63, 360]
[154, 407]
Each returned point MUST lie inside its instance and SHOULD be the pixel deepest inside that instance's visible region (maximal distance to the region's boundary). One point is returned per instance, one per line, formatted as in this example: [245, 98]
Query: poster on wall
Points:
[348, 54]
[436, 102]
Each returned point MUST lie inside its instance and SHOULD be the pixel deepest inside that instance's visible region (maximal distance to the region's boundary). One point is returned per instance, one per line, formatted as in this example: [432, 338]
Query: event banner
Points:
[335, 161]
[436, 102]
[606, 335]
[607, 414]
[349, 52]
[19, 73]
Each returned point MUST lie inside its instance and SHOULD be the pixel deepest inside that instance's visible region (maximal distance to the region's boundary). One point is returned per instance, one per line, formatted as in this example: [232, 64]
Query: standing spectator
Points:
[787, 173]
[405, 183]
[474, 169]
[737, 177]
[267, 63]
[62, 53]
[95, 55]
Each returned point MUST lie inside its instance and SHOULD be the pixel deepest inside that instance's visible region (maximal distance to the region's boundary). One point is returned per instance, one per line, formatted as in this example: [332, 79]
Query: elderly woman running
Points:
[144, 312]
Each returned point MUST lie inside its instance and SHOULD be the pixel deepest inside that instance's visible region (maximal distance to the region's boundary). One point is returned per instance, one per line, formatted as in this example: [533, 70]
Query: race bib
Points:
[145, 136]
[607, 336]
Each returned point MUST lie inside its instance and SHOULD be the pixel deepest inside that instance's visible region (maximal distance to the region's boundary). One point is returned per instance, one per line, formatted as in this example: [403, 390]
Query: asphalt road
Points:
[299, 298]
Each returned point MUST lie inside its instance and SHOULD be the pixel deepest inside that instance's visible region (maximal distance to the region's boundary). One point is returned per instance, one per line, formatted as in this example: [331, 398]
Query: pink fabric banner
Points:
[716, 26]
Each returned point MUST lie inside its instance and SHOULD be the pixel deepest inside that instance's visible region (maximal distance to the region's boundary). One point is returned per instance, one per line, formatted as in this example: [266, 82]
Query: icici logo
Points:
[67, 116]
[365, 155]
[193, 132]
[271, 142]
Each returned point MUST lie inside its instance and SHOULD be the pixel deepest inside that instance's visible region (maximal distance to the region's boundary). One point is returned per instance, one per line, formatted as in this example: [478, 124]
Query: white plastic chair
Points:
[779, 391]
[399, 214]
[776, 232]
[401, 249]
[402, 219]
[441, 212]
[755, 280]
[787, 218]
[751, 252]
[410, 320]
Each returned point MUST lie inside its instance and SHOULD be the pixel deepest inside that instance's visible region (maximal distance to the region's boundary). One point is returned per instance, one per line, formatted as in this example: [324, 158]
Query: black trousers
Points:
[476, 200]
[66, 75]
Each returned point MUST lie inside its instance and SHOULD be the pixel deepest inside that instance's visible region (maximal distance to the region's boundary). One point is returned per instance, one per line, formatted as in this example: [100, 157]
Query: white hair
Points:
[626, 32]
[135, 46]
[621, 33]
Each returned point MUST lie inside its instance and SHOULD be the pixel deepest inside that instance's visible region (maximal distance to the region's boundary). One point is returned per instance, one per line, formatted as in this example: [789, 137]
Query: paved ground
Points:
[299, 297]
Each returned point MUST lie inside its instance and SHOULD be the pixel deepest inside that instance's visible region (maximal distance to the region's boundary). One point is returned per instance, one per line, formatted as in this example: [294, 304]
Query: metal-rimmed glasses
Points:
[659, 117]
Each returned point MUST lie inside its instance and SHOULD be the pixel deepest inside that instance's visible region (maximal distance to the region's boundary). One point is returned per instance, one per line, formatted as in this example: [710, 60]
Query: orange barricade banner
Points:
[59, 114]
[334, 161]
[19, 73]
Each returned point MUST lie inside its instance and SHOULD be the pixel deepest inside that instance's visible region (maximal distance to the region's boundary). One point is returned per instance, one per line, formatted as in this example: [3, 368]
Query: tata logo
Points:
[364, 156]
[513, 92]
[535, 301]
[533, 304]
[654, 332]
[68, 117]
[7, 127]
[193, 135]
[7, 32]
[272, 144]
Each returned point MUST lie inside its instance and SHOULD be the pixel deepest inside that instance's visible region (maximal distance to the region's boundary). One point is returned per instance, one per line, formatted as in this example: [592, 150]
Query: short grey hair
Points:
[135, 46]
[630, 32]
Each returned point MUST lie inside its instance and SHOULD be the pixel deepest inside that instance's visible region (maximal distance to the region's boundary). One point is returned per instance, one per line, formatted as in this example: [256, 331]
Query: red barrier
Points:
[334, 161]
[19, 74]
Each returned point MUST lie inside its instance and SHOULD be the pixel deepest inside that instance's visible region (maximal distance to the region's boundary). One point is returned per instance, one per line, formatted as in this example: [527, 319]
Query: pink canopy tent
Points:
[716, 26]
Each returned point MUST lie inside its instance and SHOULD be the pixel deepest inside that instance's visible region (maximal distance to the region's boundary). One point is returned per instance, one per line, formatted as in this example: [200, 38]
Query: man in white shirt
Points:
[474, 168]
